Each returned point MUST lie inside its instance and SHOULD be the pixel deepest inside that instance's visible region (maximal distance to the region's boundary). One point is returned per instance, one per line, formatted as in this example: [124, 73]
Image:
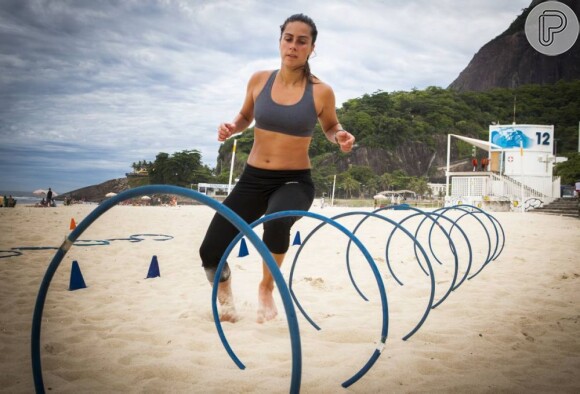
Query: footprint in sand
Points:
[566, 276]
[528, 337]
[53, 348]
[316, 282]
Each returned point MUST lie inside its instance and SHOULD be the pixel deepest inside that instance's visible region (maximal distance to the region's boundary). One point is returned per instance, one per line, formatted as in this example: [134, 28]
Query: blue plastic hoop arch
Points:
[473, 210]
[166, 189]
[397, 226]
[454, 224]
[382, 292]
[490, 255]
[451, 245]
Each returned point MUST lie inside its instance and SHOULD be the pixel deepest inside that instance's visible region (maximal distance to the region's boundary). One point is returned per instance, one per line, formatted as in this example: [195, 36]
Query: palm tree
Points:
[419, 185]
[385, 181]
[350, 185]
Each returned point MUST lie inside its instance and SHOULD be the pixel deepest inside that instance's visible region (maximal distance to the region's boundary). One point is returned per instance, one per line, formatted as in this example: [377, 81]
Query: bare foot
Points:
[266, 306]
[228, 313]
[227, 310]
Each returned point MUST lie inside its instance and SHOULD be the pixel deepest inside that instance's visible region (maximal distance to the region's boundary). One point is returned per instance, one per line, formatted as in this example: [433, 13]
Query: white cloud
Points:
[130, 79]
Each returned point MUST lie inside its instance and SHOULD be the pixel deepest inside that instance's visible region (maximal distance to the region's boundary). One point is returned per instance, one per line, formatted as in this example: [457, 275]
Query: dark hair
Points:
[313, 31]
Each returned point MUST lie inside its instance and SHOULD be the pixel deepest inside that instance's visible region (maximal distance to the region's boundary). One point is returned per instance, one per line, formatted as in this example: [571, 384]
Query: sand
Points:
[512, 328]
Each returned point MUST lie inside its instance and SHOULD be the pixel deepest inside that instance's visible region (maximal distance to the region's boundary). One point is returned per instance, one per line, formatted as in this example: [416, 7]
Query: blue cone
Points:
[153, 268]
[297, 240]
[243, 249]
[76, 277]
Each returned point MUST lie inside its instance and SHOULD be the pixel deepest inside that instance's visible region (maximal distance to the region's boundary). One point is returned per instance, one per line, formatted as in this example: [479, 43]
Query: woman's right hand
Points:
[225, 131]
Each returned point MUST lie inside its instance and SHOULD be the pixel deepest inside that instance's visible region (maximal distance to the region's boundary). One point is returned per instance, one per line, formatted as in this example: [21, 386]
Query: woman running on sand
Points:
[286, 104]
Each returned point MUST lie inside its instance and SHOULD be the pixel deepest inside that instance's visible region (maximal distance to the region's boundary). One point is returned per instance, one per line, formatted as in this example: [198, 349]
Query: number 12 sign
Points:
[531, 137]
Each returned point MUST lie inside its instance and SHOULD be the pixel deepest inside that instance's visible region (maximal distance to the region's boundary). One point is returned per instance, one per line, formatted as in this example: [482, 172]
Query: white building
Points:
[520, 168]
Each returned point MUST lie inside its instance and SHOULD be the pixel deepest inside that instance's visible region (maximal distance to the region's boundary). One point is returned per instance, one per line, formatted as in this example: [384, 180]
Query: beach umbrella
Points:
[110, 194]
[39, 192]
[380, 197]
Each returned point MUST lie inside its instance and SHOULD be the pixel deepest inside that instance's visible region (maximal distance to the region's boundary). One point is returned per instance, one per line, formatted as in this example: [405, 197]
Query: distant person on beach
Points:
[49, 197]
[8, 202]
[286, 104]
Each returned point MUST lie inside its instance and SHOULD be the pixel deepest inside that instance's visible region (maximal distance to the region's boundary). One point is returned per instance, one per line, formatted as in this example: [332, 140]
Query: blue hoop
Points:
[397, 225]
[490, 256]
[325, 220]
[428, 215]
[166, 189]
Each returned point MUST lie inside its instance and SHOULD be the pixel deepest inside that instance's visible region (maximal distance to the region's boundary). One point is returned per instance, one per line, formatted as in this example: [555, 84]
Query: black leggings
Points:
[260, 192]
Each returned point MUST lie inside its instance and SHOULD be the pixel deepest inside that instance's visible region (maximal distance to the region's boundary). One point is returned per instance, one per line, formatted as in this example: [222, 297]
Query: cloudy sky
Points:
[89, 87]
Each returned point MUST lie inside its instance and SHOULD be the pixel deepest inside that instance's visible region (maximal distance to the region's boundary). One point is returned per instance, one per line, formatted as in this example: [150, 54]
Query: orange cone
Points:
[73, 225]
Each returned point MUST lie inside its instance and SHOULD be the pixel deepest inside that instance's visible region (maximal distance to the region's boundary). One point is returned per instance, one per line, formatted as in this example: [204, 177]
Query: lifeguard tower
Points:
[519, 172]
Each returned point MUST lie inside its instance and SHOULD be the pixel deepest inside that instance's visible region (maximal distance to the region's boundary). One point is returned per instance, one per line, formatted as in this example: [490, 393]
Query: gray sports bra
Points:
[297, 119]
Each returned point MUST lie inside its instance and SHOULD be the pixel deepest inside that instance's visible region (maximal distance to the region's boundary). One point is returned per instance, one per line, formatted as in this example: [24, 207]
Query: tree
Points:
[400, 179]
[181, 169]
[141, 165]
[373, 185]
[569, 170]
[362, 174]
[419, 185]
[322, 184]
[385, 181]
[349, 185]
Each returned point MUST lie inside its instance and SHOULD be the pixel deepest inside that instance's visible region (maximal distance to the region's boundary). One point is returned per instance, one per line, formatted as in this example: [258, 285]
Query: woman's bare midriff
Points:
[278, 151]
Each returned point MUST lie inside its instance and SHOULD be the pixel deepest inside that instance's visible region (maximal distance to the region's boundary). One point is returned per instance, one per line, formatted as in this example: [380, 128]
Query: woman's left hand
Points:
[345, 140]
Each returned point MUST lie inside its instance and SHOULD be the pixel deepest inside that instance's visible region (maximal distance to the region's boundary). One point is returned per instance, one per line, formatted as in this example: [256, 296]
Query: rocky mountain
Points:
[96, 193]
[509, 60]
[416, 158]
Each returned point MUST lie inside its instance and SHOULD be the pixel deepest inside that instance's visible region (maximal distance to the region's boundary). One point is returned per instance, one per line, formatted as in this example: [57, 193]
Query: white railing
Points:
[533, 186]
[469, 186]
[480, 190]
